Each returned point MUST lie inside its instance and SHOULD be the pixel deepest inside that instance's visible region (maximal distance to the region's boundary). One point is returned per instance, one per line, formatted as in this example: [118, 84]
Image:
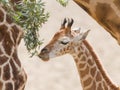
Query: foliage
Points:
[63, 2]
[30, 15]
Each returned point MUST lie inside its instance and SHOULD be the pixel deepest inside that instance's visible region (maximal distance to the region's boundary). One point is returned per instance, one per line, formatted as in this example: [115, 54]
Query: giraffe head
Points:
[63, 41]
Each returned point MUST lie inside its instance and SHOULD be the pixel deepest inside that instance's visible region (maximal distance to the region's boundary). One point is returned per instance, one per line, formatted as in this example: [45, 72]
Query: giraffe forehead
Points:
[53, 40]
[57, 36]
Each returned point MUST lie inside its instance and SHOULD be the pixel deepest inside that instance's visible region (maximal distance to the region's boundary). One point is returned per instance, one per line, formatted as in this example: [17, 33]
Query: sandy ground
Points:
[61, 73]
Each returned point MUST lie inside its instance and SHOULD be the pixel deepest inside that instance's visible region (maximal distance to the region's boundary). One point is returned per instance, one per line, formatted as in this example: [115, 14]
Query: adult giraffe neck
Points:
[92, 74]
[12, 74]
[105, 12]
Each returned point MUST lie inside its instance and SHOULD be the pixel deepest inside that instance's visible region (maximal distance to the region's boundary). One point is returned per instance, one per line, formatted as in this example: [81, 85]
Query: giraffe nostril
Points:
[44, 50]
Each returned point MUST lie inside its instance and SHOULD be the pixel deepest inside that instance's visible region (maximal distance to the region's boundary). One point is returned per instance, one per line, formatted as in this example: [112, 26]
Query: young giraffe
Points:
[12, 75]
[105, 12]
[91, 72]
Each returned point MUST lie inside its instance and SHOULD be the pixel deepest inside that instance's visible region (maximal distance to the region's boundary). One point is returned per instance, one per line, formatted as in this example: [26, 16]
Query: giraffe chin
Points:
[45, 59]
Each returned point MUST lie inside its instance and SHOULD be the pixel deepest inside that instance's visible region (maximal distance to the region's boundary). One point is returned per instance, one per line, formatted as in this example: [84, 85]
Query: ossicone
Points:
[70, 23]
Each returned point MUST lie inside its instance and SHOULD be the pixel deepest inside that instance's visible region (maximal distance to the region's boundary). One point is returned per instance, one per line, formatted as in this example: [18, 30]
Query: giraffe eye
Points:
[64, 42]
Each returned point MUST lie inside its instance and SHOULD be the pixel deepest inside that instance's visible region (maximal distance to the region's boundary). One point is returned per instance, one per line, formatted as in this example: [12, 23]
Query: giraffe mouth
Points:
[45, 59]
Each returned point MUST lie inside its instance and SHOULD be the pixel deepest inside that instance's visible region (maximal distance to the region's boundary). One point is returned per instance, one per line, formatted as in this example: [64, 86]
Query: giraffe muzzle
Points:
[44, 54]
[43, 57]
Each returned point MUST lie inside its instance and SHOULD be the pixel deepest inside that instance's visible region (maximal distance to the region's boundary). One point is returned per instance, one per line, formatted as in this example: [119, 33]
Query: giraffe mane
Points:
[99, 65]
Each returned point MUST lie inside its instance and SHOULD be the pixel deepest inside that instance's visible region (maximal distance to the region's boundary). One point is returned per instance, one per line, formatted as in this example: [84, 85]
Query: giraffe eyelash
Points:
[64, 42]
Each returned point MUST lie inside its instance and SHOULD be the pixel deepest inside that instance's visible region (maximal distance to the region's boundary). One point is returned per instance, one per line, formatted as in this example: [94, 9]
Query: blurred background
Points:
[61, 73]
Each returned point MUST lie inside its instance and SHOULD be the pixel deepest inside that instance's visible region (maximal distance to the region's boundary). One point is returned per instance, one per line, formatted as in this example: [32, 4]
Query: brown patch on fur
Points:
[19, 82]
[8, 19]
[79, 54]
[84, 72]
[79, 48]
[87, 54]
[93, 87]
[98, 77]
[105, 86]
[100, 87]
[16, 59]
[1, 52]
[15, 33]
[117, 3]
[1, 16]
[14, 69]
[1, 85]
[68, 48]
[3, 59]
[6, 74]
[81, 65]
[76, 60]
[93, 71]
[8, 86]
[83, 58]
[87, 82]
[7, 43]
[3, 30]
[90, 62]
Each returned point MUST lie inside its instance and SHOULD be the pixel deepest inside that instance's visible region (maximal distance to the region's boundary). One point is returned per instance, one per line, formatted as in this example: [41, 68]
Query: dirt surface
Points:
[60, 73]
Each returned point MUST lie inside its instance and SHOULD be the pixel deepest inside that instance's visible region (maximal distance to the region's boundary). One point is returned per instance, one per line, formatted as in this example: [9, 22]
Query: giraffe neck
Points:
[94, 7]
[92, 74]
[105, 12]
[12, 75]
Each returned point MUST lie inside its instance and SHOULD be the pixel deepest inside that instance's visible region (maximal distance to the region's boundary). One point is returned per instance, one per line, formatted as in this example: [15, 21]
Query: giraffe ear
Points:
[81, 36]
[84, 35]
[76, 31]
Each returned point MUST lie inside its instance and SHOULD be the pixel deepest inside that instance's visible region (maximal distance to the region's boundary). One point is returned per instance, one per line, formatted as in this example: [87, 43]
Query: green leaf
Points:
[30, 15]
[63, 2]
